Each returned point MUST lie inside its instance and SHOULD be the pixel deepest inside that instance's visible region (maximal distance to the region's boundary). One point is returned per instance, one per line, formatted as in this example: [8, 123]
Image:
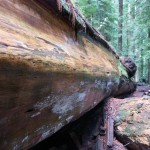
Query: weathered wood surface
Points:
[47, 79]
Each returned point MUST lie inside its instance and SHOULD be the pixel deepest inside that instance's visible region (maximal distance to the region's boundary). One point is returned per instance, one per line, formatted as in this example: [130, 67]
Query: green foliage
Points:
[104, 16]
[100, 14]
[122, 70]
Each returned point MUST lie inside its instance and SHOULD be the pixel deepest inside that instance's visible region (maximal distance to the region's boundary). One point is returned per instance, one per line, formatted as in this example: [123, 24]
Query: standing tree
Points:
[126, 25]
[120, 26]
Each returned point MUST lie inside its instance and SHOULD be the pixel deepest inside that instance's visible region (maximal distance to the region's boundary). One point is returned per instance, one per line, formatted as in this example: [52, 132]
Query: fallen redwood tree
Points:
[52, 71]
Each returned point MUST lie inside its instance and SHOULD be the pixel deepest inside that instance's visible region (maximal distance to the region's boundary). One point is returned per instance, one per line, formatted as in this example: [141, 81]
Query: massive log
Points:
[49, 77]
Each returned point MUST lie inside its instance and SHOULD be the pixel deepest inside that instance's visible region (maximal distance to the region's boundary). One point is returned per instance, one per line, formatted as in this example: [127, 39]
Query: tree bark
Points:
[141, 65]
[149, 60]
[120, 26]
[148, 70]
[46, 79]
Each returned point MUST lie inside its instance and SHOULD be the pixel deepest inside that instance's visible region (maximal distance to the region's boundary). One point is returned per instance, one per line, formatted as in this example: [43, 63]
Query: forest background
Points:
[125, 24]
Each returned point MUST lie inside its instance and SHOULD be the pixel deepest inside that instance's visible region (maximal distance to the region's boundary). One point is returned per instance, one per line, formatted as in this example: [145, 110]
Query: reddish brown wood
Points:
[47, 79]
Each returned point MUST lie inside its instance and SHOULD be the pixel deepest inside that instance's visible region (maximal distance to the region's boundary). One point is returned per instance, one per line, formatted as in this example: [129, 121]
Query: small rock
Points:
[130, 121]
[139, 105]
[145, 93]
[132, 113]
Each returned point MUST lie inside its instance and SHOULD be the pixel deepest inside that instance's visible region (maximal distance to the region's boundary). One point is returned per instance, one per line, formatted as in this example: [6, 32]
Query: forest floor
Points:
[132, 119]
[91, 131]
[141, 90]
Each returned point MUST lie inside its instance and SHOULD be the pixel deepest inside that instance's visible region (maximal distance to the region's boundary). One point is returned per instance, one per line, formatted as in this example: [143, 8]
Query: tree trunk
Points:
[128, 30]
[141, 65]
[46, 79]
[137, 77]
[76, 3]
[148, 70]
[149, 60]
[120, 26]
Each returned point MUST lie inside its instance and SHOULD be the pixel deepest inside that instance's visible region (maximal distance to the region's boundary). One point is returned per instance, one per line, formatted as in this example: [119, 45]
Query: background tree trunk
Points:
[120, 26]
[149, 71]
[148, 60]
